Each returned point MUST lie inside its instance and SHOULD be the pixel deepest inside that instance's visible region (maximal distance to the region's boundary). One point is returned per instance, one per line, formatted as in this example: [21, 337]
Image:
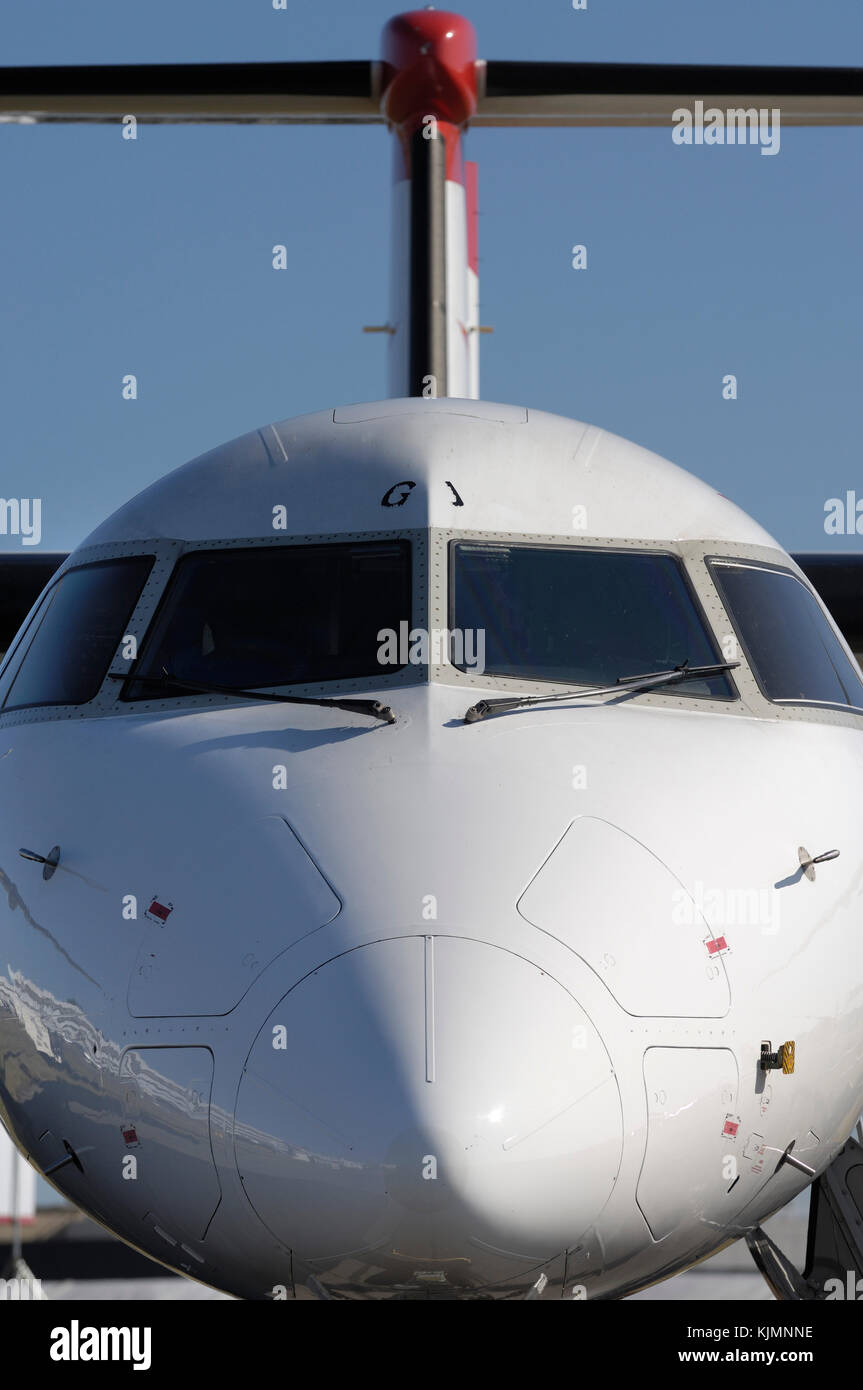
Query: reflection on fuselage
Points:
[315, 1002]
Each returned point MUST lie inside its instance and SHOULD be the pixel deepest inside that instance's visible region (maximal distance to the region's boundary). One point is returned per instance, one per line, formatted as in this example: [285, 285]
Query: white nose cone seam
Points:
[431, 1099]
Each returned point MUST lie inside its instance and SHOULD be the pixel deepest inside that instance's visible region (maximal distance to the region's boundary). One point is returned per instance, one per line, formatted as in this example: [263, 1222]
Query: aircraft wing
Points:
[839, 580]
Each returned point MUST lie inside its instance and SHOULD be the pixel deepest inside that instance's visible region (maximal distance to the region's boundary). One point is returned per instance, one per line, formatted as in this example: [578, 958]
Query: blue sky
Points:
[154, 257]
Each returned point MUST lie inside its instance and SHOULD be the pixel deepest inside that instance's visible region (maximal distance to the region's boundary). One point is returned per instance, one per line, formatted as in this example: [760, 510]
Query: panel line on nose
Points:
[429, 984]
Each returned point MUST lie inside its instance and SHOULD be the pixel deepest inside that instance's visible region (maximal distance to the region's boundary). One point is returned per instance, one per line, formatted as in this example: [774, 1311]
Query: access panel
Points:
[691, 1102]
[617, 906]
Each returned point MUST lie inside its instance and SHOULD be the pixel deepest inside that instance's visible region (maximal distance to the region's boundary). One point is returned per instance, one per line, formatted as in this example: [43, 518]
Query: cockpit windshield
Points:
[580, 616]
[794, 653]
[276, 615]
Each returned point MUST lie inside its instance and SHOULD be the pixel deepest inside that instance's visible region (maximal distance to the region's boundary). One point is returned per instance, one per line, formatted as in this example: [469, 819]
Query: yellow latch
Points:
[782, 1059]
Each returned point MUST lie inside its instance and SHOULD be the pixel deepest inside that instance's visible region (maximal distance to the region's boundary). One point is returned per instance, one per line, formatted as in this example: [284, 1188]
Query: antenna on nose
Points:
[808, 861]
[49, 861]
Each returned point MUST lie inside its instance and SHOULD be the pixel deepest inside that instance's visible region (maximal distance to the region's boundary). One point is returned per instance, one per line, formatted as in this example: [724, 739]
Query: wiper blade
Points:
[373, 708]
[647, 681]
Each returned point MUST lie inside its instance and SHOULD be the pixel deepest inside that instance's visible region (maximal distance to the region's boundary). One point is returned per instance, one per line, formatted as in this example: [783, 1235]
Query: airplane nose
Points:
[434, 1102]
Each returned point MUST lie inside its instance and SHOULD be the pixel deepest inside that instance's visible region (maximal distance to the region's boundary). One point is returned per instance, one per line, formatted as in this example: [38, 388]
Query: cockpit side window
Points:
[68, 648]
[580, 615]
[793, 651]
[250, 618]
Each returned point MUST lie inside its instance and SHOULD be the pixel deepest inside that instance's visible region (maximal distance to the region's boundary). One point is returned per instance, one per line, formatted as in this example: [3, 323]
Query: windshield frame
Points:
[524, 686]
[108, 701]
[133, 693]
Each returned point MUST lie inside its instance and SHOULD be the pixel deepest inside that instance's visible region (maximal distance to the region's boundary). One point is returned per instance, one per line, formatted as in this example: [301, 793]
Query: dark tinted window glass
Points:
[284, 615]
[578, 616]
[82, 622]
[789, 643]
[17, 647]
[24, 578]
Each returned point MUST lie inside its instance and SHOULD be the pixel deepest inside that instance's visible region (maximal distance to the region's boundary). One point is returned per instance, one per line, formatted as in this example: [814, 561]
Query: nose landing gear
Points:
[834, 1252]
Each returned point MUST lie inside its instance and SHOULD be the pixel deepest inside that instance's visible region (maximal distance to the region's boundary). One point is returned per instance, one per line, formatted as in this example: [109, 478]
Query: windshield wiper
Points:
[647, 681]
[373, 708]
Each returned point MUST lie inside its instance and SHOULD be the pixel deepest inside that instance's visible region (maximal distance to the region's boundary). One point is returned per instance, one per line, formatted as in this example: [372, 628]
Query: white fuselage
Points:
[438, 1007]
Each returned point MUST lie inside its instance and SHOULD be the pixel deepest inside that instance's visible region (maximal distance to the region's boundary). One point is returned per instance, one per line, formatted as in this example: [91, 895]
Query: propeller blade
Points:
[308, 93]
[646, 94]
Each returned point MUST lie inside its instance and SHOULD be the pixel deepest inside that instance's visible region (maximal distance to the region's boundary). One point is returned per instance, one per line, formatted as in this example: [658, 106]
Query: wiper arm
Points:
[373, 708]
[648, 681]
